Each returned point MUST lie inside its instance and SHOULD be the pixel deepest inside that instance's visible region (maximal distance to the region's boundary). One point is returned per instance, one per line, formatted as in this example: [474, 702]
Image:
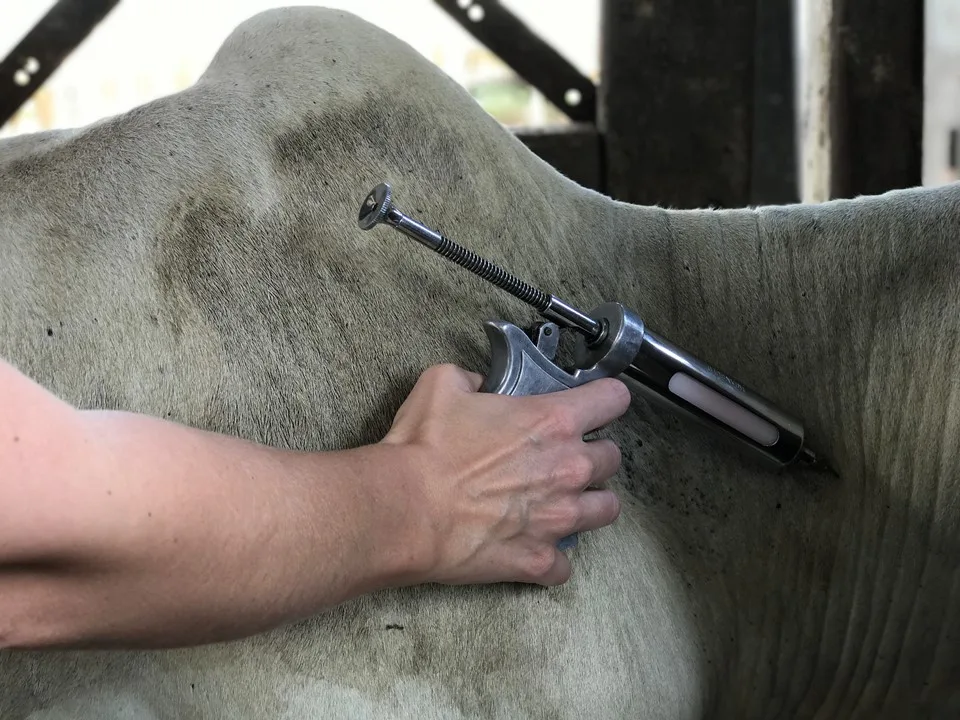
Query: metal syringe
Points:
[614, 342]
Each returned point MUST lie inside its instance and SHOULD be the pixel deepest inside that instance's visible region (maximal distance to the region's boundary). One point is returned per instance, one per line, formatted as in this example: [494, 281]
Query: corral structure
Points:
[720, 103]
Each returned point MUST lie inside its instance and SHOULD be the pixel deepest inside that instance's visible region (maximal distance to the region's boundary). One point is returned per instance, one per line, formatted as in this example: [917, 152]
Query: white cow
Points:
[198, 258]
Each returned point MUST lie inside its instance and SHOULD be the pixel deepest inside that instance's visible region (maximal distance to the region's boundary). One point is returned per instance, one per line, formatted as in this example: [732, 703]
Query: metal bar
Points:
[677, 101]
[533, 59]
[44, 48]
[574, 150]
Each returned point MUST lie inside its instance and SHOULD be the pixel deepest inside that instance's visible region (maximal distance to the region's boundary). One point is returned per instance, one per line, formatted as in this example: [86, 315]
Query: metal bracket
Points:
[44, 48]
[528, 55]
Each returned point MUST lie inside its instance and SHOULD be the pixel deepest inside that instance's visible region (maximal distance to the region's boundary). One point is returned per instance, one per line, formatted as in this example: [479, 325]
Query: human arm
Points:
[118, 529]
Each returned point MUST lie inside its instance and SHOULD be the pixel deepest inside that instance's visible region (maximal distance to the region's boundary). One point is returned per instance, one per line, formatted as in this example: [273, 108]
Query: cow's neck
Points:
[846, 314]
[809, 304]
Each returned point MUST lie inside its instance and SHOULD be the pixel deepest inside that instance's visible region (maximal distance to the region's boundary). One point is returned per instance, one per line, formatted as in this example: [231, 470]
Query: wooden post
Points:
[818, 124]
[864, 121]
[696, 102]
[774, 176]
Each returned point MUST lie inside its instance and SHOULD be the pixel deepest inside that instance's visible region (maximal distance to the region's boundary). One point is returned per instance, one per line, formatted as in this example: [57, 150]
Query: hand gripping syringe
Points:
[613, 341]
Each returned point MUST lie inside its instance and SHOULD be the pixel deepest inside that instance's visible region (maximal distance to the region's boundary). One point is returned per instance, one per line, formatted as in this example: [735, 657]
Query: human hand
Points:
[500, 479]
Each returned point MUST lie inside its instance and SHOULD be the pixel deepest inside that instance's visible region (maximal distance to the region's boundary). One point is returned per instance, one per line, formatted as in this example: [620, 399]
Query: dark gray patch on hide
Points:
[308, 306]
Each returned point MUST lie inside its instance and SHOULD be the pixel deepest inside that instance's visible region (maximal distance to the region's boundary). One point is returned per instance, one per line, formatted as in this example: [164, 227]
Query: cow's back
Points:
[198, 259]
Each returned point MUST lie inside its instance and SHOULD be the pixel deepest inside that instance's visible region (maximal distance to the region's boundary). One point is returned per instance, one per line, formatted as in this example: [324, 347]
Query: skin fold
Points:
[198, 259]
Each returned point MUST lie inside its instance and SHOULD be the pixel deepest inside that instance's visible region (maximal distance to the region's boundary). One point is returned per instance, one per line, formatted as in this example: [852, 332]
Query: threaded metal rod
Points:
[378, 207]
[469, 260]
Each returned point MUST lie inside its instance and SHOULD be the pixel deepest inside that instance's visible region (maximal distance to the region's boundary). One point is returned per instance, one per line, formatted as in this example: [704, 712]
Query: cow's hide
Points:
[198, 259]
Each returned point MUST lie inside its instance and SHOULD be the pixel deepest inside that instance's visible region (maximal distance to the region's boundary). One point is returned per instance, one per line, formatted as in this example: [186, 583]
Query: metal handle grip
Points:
[521, 366]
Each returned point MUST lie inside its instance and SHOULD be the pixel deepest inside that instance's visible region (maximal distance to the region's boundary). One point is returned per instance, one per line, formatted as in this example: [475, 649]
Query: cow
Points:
[198, 258]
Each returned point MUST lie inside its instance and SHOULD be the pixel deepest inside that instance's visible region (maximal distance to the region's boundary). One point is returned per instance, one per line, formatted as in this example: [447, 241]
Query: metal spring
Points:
[490, 272]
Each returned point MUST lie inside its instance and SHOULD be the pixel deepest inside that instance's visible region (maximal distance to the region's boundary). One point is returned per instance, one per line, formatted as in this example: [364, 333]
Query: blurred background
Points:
[145, 49]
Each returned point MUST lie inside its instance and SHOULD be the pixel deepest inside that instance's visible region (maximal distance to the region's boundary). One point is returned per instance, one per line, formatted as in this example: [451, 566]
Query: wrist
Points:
[394, 542]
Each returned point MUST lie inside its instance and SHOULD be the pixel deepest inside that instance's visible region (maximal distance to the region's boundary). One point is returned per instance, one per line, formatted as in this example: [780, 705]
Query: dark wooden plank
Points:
[877, 91]
[774, 174]
[574, 150]
[676, 101]
[527, 54]
[44, 47]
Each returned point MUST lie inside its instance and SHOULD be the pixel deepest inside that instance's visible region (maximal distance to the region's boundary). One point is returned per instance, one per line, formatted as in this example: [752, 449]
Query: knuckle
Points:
[569, 515]
[540, 562]
[431, 375]
[559, 574]
[443, 371]
[613, 393]
[562, 421]
[608, 461]
[580, 468]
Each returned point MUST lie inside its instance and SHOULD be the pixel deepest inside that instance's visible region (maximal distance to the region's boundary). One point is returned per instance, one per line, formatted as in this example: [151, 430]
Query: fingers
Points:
[605, 458]
[472, 381]
[454, 375]
[598, 508]
[549, 566]
[556, 571]
[595, 404]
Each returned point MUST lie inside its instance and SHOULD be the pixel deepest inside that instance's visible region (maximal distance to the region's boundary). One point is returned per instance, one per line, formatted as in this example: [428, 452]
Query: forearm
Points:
[207, 537]
[119, 529]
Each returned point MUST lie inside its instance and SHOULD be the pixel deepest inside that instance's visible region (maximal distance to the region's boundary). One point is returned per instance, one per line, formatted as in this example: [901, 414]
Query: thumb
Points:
[464, 379]
[474, 380]
[451, 376]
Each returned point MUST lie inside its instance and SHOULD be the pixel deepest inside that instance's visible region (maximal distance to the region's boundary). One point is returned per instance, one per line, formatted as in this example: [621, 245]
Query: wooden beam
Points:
[528, 55]
[40, 52]
[676, 101]
[864, 132]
